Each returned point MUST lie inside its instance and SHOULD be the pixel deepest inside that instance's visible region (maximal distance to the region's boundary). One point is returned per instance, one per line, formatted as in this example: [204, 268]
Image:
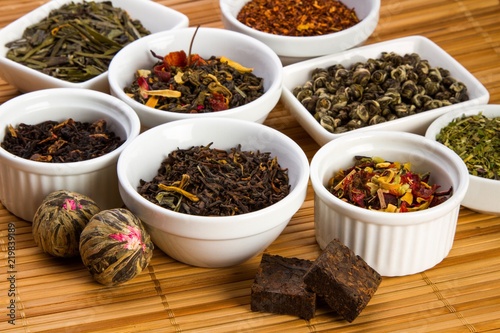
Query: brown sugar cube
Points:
[279, 288]
[343, 279]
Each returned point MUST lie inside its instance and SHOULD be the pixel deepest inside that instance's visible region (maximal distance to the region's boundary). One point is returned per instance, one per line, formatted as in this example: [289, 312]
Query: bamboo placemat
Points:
[461, 294]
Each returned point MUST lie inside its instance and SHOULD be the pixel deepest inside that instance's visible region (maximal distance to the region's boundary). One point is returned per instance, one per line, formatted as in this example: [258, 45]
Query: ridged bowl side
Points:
[390, 250]
[25, 183]
[101, 185]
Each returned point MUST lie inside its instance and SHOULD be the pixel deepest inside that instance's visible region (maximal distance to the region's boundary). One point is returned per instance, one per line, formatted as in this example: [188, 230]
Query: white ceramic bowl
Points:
[482, 195]
[154, 16]
[208, 42]
[25, 183]
[202, 240]
[297, 74]
[394, 244]
[292, 49]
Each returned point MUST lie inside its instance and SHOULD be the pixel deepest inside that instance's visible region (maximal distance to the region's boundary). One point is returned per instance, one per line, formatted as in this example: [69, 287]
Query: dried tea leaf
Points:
[476, 139]
[77, 41]
[206, 181]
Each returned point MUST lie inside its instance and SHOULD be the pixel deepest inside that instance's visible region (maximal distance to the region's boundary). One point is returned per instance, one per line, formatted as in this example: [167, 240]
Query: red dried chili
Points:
[376, 184]
[297, 18]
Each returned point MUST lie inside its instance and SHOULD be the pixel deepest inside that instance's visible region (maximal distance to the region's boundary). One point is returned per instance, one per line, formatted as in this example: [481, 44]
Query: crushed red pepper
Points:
[376, 184]
[297, 18]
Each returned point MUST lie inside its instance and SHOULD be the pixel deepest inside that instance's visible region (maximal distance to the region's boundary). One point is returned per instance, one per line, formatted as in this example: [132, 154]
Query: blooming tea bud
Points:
[59, 221]
[115, 247]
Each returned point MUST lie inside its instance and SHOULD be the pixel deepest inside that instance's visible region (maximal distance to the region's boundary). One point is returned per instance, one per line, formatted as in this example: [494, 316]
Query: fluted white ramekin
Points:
[24, 183]
[394, 244]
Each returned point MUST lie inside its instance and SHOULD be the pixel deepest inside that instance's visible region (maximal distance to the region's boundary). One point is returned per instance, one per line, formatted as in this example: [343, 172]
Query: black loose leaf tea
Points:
[205, 181]
[60, 142]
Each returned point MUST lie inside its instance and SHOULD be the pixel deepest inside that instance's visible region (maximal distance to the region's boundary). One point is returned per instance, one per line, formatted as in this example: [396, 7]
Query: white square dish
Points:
[292, 49]
[154, 17]
[299, 73]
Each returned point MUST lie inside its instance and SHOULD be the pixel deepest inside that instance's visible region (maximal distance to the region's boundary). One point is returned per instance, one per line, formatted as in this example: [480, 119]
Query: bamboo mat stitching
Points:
[447, 304]
[478, 27]
[164, 300]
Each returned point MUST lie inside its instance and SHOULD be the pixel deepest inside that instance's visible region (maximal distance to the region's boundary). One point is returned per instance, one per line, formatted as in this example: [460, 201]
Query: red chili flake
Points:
[297, 18]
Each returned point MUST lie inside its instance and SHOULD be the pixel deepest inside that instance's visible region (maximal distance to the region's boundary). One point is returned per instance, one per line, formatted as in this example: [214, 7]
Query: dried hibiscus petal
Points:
[162, 73]
[143, 86]
[218, 102]
[177, 58]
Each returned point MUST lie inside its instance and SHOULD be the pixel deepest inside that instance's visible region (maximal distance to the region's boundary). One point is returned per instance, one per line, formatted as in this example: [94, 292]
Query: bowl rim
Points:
[71, 168]
[226, 12]
[386, 218]
[491, 110]
[20, 24]
[117, 88]
[253, 218]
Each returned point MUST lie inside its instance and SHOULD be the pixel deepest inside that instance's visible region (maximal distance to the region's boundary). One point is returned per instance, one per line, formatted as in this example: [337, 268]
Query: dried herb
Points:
[297, 18]
[376, 184]
[67, 141]
[476, 139]
[77, 41]
[205, 181]
[190, 84]
[378, 90]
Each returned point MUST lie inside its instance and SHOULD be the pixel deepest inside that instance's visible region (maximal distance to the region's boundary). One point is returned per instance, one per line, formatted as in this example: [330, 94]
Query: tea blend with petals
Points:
[206, 181]
[190, 84]
[77, 41]
[376, 184]
[61, 142]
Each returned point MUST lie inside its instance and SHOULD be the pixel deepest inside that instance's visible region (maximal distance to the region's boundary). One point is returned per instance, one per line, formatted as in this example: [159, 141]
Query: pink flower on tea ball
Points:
[70, 204]
[132, 239]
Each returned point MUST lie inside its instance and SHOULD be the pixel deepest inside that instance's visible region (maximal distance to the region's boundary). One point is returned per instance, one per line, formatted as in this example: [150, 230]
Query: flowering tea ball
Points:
[115, 247]
[59, 221]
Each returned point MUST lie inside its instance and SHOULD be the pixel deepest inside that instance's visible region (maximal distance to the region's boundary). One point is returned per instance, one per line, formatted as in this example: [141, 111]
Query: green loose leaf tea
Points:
[77, 41]
[205, 181]
[476, 139]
